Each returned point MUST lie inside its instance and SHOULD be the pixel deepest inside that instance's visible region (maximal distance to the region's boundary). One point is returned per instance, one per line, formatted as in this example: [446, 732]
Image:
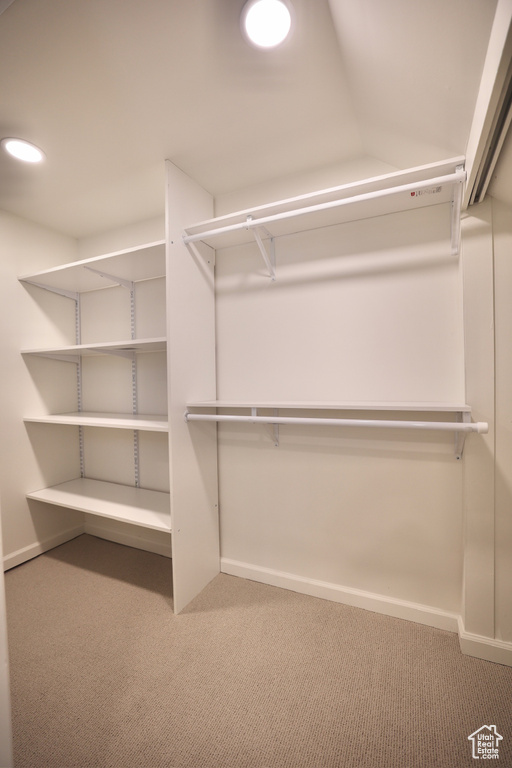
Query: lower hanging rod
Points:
[482, 427]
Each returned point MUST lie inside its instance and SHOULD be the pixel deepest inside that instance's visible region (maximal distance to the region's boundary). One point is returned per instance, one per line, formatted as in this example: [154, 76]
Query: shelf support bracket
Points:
[269, 259]
[119, 280]
[63, 358]
[275, 426]
[126, 353]
[61, 291]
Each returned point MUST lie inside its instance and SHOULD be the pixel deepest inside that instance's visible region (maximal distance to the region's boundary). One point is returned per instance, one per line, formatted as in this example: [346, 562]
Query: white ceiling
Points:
[110, 88]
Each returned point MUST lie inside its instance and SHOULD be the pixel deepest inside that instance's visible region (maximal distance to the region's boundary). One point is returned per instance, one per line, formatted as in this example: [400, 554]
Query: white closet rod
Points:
[453, 178]
[481, 427]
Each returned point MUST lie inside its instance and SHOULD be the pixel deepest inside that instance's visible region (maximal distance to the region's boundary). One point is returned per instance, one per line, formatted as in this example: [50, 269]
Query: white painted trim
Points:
[401, 609]
[128, 539]
[490, 90]
[487, 648]
[38, 547]
[190, 376]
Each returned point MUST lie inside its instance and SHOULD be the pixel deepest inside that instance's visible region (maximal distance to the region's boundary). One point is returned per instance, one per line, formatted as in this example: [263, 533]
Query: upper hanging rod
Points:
[457, 177]
[481, 427]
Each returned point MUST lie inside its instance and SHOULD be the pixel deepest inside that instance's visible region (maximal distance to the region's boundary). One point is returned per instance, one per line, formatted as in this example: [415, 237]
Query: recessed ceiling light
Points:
[23, 150]
[266, 23]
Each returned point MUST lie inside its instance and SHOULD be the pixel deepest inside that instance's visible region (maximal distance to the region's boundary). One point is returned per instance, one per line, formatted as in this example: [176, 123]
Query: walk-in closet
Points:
[255, 322]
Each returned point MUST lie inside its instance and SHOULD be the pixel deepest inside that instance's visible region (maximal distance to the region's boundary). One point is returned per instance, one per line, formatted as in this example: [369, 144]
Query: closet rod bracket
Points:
[268, 258]
[275, 426]
[460, 437]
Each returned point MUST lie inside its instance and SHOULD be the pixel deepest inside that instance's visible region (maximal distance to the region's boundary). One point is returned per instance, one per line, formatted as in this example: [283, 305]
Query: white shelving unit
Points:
[137, 506]
[433, 184]
[134, 505]
[122, 347]
[337, 406]
[186, 259]
[147, 423]
[461, 424]
[190, 509]
[131, 265]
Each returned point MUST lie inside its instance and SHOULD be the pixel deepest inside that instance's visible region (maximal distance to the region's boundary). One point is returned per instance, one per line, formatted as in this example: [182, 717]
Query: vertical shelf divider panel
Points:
[191, 376]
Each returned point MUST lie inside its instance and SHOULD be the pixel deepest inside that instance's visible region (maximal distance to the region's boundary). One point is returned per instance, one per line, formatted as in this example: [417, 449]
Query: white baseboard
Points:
[370, 601]
[38, 547]
[102, 531]
[488, 648]
[131, 537]
[481, 647]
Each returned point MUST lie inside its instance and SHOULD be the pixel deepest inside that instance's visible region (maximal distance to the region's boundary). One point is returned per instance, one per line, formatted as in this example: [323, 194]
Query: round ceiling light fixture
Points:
[266, 23]
[23, 150]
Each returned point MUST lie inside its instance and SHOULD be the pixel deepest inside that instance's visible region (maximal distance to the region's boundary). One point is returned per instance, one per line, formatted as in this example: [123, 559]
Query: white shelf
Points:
[149, 509]
[145, 423]
[401, 191]
[127, 347]
[133, 265]
[338, 406]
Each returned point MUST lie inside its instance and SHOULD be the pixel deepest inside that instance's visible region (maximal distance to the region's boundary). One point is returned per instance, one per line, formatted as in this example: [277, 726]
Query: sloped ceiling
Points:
[110, 88]
[413, 70]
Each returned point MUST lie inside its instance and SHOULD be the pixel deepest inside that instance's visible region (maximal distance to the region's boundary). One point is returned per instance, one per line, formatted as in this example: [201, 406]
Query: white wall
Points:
[360, 311]
[332, 175]
[138, 233]
[502, 220]
[6, 756]
[28, 458]
[370, 310]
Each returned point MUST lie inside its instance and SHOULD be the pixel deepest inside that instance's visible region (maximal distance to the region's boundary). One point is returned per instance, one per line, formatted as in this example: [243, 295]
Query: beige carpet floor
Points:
[249, 676]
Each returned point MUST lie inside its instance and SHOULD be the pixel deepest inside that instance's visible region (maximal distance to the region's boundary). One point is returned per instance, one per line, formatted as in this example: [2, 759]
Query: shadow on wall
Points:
[386, 245]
